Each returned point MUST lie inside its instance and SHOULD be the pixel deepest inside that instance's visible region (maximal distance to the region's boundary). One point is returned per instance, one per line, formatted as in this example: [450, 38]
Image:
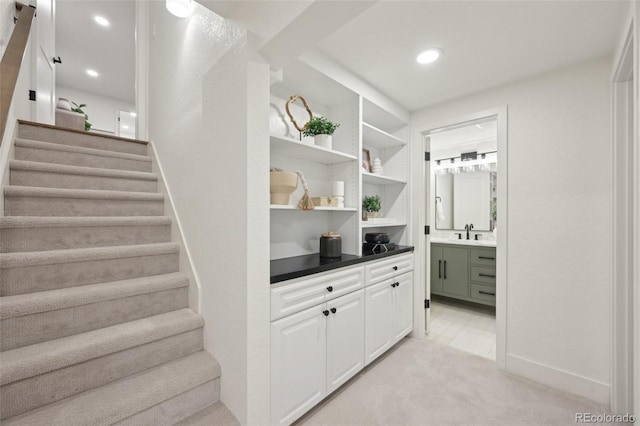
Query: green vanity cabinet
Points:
[464, 272]
[450, 270]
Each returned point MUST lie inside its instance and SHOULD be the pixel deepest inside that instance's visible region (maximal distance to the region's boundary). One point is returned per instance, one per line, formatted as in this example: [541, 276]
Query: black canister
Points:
[330, 245]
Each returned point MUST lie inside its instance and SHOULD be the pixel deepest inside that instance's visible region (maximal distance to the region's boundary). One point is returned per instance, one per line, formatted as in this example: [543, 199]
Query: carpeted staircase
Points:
[94, 318]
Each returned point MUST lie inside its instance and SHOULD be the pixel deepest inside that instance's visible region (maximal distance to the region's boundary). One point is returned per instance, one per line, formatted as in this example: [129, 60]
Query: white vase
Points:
[324, 141]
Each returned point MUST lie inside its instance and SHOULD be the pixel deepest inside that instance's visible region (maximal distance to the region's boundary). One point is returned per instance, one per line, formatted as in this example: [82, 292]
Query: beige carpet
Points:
[422, 382]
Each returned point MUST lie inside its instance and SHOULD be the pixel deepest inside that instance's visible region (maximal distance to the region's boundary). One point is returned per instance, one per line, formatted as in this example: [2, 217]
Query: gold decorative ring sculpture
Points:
[291, 100]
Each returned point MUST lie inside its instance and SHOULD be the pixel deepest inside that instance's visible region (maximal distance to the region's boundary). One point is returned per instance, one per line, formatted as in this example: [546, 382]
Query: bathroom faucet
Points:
[468, 228]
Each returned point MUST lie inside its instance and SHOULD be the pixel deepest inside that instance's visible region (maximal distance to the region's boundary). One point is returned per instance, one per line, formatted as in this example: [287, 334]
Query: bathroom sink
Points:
[445, 240]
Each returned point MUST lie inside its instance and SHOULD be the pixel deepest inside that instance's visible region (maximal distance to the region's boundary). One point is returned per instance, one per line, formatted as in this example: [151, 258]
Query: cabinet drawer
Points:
[483, 274]
[296, 295]
[485, 293]
[483, 256]
[388, 268]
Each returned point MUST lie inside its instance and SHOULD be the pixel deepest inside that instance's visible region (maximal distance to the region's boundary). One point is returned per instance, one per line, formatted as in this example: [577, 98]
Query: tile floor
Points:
[467, 327]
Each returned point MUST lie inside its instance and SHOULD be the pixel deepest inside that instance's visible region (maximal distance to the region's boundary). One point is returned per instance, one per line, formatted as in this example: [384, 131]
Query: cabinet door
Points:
[298, 364]
[455, 271]
[378, 319]
[402, 307]
[380, 270]
[345, 339]
[436, 269]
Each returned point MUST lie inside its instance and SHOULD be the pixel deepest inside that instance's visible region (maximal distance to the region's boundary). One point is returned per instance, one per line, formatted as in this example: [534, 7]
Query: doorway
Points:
[461, 244]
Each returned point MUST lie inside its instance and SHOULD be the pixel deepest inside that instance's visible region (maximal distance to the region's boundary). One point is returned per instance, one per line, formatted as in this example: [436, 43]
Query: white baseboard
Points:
[559, 379]
[177, 234]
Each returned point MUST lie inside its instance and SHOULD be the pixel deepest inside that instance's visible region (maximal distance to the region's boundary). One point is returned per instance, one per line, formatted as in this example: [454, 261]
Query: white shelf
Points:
[375, 179]
[324, 209]
[293, 148]
[365, 224]
[372, 136]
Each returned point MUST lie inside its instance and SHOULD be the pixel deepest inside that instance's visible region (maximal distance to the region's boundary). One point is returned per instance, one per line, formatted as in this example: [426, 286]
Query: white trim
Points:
[624, 202]
[422, 249]
[142, 69]
[559, 379]
[177, 233]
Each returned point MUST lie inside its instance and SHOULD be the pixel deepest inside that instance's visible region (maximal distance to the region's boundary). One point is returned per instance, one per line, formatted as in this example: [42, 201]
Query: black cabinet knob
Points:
[334, 310]
[326, 313]
[330, 289]
[395, 268]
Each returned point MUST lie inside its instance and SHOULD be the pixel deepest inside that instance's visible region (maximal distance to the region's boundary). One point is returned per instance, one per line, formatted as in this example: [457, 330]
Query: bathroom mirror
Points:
[465, 198]
[464, 166]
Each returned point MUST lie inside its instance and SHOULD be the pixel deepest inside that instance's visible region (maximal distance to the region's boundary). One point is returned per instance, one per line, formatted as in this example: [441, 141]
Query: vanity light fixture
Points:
[92, 73]
[180, 8]
[101, 20]
[429, 55]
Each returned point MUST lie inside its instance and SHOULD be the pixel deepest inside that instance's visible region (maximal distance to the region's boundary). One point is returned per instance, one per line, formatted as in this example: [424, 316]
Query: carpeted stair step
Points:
[31, 272]
[26, 201]
[37, 375]
[29, 233]
[52, 134]
[160, 396]
[45, 175]
[217, 414]
[27, 319]
[46, 152]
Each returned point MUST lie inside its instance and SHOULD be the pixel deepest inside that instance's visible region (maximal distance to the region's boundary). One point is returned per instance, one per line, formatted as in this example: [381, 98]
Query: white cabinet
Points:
[378, 320]
[298, 359]
[388, 314]
[296, 295]
[320, 338]
[313, 352]
[345, 339]
[402, 307]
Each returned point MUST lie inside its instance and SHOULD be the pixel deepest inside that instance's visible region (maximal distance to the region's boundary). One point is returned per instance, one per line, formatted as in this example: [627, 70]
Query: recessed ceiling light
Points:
[429, 55]
[133, 114]
[92, 73]
[180, 8]
[101, 21]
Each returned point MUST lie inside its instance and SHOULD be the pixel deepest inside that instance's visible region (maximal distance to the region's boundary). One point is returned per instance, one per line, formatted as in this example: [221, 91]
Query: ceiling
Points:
[82, 43]
[485, 43]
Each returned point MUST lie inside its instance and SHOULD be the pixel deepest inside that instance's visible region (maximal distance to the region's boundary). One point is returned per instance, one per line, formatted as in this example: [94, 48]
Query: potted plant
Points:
[78, 108]
[321, 129]
[371, 206]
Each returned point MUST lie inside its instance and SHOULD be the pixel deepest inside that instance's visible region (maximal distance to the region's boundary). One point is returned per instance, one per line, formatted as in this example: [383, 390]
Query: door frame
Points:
[625, 225]
[422, 177]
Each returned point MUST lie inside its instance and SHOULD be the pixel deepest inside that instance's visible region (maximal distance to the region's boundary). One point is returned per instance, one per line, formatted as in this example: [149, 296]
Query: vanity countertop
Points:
[479, 243]
[300, 266]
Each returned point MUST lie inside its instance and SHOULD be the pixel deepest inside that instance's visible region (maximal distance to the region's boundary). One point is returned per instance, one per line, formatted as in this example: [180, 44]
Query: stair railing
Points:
[12, 60]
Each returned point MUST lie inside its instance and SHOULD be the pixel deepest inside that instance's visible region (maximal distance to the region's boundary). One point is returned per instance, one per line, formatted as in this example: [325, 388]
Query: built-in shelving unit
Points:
[363, 125]
[316, 209]
[384, 135]
[375, 179]
[379, 138]
[366, 225]
[305, 151]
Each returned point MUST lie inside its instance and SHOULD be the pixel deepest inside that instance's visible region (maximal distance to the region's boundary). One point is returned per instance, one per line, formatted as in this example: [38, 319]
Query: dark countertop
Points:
[300, 266]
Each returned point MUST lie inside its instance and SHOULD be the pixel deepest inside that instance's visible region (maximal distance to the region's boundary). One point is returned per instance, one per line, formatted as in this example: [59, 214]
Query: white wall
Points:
[558, 271]
[209, 120]
[102, 110]
[7, 12]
